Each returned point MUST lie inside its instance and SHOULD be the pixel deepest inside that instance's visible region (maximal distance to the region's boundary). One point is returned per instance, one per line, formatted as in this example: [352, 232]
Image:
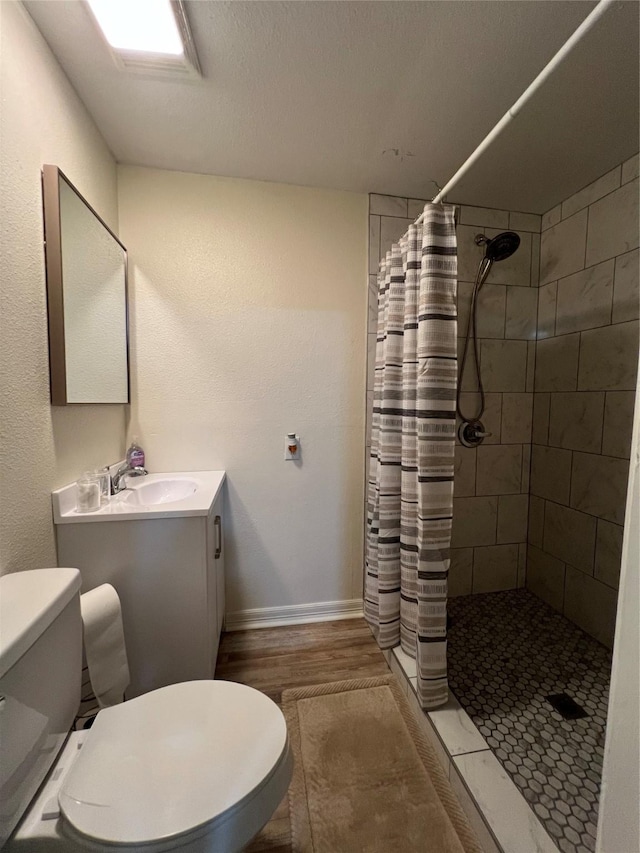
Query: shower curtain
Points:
[410, 488]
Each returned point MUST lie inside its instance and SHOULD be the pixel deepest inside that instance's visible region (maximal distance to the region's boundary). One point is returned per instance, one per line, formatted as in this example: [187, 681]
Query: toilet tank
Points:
[40, 679]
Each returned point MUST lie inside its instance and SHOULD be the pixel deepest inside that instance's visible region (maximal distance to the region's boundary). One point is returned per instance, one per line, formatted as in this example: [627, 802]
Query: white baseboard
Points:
[293, 614]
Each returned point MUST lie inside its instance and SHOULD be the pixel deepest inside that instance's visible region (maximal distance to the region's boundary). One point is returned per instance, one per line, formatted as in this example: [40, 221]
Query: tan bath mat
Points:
[366, 780]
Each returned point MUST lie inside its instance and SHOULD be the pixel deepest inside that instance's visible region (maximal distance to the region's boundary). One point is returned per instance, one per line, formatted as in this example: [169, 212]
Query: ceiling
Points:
[325, 93]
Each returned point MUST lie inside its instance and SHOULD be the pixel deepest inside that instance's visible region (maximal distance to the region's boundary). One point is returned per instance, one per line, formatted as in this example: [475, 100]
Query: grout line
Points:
[487, 748]
[473, 560]
[586, 238]
[578, 363]
[604, 413]
[595, 201]
[571, 480]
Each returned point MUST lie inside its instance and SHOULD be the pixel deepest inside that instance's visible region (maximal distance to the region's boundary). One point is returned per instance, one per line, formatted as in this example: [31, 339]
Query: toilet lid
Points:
[172, 760]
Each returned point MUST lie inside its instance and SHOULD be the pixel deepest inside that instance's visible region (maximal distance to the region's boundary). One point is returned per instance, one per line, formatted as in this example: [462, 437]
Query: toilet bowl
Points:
[196, 767]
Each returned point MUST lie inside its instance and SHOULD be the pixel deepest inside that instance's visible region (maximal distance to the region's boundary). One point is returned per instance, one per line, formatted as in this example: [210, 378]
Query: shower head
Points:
[501, 246]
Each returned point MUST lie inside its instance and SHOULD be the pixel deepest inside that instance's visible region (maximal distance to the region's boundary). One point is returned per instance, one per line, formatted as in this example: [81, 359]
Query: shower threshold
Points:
[526, 775]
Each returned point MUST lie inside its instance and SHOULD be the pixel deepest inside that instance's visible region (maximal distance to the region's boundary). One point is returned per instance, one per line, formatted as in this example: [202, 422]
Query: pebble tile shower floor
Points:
[507, 652]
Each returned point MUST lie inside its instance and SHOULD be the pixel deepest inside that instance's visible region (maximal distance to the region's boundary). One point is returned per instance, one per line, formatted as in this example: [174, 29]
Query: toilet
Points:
[197, 767]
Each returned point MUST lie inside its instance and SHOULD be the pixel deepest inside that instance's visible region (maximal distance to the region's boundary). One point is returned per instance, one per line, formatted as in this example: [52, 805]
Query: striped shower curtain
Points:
[410, 489]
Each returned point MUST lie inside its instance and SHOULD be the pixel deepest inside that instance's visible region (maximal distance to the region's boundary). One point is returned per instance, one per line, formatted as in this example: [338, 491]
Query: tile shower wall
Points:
[585, 379]
[492, 481]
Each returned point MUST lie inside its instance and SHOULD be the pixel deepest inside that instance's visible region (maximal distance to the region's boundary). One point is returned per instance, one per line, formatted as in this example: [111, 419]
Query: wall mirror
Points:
[86, 297]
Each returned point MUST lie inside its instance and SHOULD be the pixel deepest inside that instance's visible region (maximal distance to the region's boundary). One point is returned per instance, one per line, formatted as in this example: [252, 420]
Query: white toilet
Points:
[198, 766]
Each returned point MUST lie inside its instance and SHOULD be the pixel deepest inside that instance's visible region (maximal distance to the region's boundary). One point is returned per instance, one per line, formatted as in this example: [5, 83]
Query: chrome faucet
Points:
[117, 483]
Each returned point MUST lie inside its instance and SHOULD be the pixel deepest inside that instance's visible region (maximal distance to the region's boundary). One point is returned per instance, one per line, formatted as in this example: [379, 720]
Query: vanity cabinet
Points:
[169, 575]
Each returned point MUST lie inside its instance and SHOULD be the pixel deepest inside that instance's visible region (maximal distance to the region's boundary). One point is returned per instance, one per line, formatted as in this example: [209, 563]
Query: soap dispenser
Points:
[135, 455]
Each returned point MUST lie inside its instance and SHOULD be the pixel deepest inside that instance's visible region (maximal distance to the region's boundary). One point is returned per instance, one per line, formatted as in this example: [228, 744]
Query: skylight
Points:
[139, 25]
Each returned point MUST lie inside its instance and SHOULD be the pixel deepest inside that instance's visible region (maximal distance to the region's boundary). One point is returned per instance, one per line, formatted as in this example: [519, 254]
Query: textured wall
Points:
[249, 320]
[491, 482]
[586, 362]
[41, 121]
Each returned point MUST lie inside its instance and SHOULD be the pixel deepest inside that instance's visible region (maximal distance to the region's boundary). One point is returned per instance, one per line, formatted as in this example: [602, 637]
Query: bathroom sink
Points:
[158, 491]
[175, 494]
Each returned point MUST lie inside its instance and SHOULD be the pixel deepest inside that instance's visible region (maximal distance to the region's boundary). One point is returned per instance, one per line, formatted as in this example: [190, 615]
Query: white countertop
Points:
[119, 508]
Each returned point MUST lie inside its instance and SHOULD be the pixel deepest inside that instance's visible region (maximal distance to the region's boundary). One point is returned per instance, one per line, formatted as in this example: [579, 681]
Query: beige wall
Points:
[249, 319]
[41, 121]
[586, 362]
[492, 481]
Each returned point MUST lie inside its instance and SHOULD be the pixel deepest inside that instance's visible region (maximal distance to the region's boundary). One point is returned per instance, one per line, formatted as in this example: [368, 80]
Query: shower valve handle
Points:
[480, 434]
[472, 433]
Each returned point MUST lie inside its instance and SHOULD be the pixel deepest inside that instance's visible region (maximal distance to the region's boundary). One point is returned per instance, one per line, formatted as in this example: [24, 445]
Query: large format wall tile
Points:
[547, 298]
[491, 311]
[584, 395]
[551, 473]
[531, 366]
[609, 358]
[470, 406]
[463, 303]
[415, 206]
[536, 521]
[513, 511]
[541, 407]
[495, 568]
[590, 604]
[594, 191]
[371, 359]
[630, 168]
[391, 230]
[515, 270]
[460, 571]
[585, 299]
[374, 244]
[551, 217]
[469, 255]
[570, 536]
[484, 217]
[534, 277]
[474, 521]
[469, 381]
[372, 303]
[608, 552]
[545, 576]
[516, 418]
[498, 469]
[464, 472]
[504, 365]
[618, 423]
[520, 319]
[562, 248]
[387, 205]
[626, 290]
[599, 486]
[575, 421]
[613, 224]
[524, 221]
[557, 363]
[526, 469]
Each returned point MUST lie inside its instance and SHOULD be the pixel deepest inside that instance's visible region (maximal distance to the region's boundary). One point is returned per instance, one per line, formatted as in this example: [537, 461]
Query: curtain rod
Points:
[592, 18]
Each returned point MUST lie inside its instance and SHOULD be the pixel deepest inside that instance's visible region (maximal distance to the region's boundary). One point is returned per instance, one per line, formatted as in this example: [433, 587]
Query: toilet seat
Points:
[168, 763]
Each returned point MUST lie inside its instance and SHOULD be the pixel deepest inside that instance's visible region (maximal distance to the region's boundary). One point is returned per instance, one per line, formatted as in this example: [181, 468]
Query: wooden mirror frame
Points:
[51, 176]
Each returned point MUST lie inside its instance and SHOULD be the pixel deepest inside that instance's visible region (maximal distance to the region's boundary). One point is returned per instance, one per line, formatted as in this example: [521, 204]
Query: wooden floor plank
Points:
[276, 659]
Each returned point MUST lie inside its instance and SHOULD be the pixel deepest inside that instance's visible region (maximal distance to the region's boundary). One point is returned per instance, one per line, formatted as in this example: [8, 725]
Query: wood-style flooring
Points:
[275, 659]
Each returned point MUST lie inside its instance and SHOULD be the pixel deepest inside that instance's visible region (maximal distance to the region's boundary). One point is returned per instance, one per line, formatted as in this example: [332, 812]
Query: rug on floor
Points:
[365, 777]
